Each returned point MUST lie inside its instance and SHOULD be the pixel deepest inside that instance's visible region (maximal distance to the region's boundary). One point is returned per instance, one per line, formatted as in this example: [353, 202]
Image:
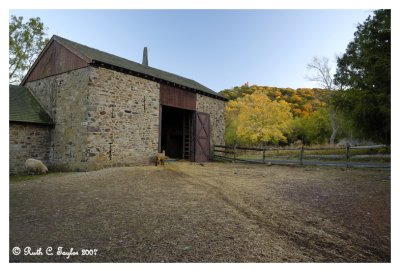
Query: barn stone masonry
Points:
[96, 111]
[65, 98]
[123, 117]
[215, 108]
[27, 141]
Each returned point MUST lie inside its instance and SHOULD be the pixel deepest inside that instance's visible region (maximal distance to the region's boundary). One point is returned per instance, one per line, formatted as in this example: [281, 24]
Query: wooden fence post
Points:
[234, 153]
[301, 154]
[263, 153]
[347, 154]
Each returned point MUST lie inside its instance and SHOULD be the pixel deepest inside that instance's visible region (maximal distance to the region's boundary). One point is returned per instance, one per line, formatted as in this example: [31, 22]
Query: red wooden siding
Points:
[178, 98]
[55, 60]
[202, 139]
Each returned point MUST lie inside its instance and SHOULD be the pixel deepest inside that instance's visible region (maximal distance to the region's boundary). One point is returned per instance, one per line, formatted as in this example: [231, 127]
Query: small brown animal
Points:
[160, 157]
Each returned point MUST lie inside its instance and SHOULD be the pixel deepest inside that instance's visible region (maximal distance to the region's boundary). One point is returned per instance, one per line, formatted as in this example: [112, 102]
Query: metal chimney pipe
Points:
[145, 58]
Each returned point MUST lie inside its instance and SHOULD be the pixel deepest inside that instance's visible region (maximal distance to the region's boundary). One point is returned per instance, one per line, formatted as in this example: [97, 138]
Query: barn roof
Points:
[95, 56]
[25, 108]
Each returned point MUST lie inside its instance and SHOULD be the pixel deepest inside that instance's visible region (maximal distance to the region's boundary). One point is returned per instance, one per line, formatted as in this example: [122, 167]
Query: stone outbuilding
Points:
[103, 110]
[30, 127]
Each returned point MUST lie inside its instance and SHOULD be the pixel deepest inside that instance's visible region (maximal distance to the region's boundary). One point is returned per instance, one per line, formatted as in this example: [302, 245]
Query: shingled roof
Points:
[25, 108]
[95, 56]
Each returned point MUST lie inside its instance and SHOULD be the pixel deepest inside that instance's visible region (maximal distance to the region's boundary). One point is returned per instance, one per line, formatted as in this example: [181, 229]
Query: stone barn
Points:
[90, 109]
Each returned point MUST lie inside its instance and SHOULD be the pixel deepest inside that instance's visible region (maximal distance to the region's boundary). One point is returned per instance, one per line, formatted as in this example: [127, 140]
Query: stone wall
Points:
[106, 118]
[123, 117]
[215, 108]
[65, 98]
[27, 141]
[97, 110]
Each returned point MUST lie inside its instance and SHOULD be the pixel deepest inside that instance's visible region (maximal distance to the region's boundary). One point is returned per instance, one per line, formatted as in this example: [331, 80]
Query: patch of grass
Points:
[371, 159]
[19, 178]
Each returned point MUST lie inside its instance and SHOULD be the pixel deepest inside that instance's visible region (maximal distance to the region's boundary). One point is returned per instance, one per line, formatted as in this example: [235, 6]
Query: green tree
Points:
[232, 110]
[26, 40]
[364, 76]
[313, 129]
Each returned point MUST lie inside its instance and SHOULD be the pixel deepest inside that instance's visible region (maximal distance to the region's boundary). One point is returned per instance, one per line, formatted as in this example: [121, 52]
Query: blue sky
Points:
[218, 48]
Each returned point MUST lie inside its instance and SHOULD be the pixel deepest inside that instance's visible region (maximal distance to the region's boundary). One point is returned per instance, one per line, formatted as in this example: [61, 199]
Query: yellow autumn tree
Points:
[260, 120]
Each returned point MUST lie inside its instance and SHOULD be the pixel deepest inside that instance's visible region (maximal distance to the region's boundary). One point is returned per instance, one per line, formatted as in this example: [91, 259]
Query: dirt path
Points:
[213, 213]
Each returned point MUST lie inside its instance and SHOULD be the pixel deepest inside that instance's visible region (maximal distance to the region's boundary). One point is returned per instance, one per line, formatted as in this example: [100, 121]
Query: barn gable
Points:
[55, 59]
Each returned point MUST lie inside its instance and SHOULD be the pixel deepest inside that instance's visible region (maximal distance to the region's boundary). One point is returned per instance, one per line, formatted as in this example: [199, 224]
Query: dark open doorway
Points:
[177, 133]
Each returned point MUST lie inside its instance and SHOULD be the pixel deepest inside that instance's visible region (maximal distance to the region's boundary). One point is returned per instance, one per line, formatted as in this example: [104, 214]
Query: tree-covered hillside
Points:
[302, 101]
[249, 119]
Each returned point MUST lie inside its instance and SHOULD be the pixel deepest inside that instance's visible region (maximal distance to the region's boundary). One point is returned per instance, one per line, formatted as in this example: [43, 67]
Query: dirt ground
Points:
[187, 212]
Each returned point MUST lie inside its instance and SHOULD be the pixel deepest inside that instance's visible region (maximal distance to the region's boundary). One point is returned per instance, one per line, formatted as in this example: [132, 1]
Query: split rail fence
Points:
[377, 156]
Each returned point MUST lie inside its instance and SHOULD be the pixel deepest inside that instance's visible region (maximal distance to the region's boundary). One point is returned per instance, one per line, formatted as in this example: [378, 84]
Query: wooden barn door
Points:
[202, 139]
